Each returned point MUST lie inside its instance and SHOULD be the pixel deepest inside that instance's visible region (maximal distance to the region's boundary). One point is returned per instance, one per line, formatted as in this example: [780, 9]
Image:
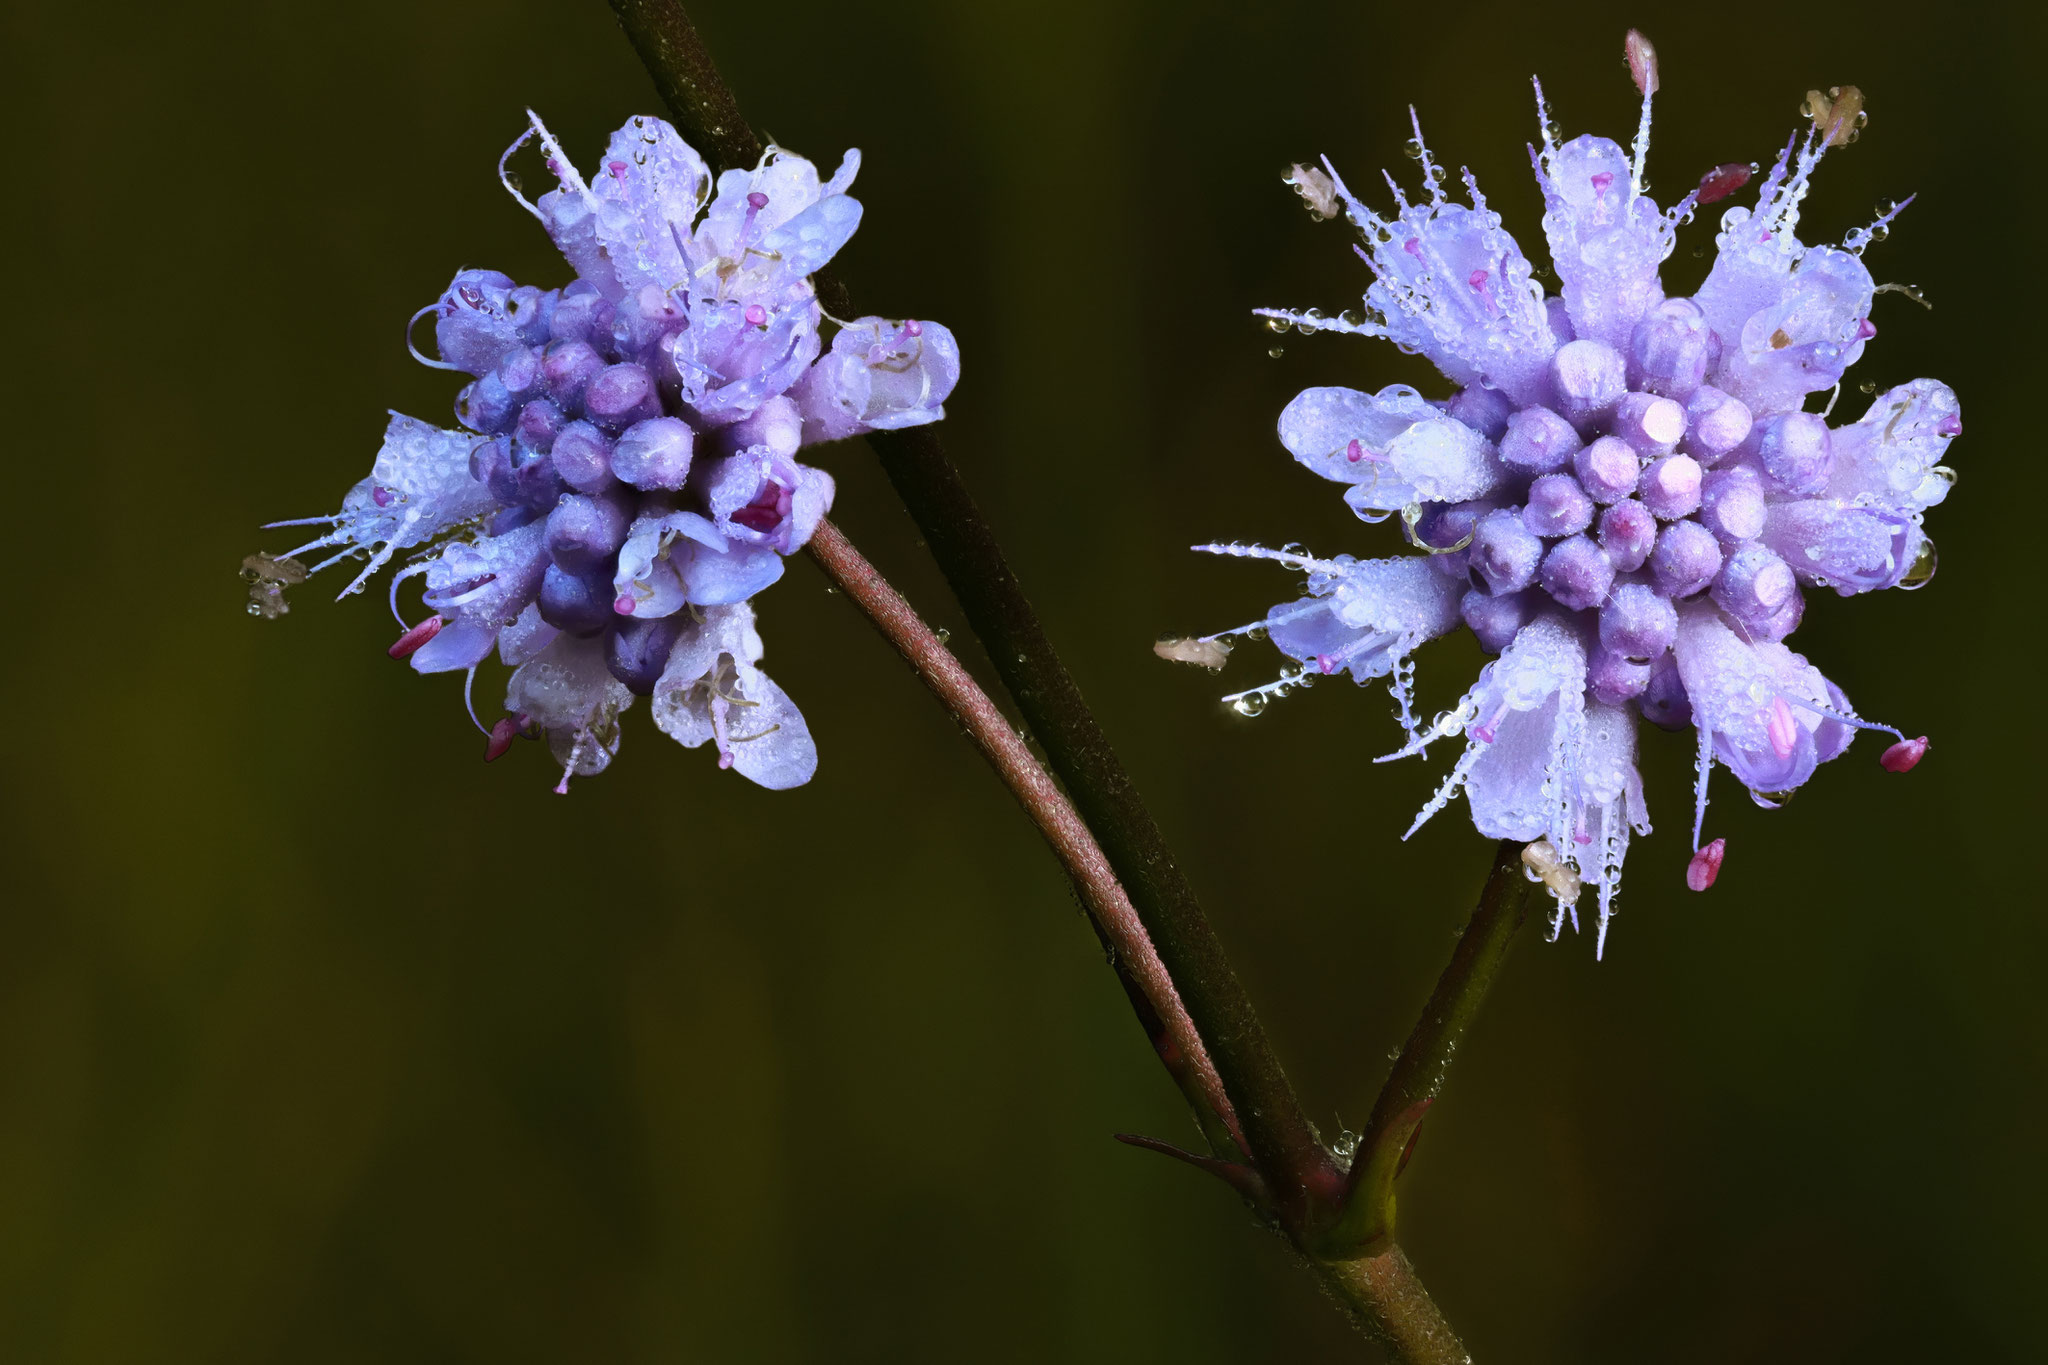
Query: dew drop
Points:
[1924, 564]
[1277, 351]
[1351, 317]
[1945, 474]
[1868, 386]
[943, 634]
[1412, 149]
[1251, 704]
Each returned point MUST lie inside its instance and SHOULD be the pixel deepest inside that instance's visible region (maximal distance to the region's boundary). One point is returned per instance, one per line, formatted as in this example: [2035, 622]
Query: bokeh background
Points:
[322, 1042]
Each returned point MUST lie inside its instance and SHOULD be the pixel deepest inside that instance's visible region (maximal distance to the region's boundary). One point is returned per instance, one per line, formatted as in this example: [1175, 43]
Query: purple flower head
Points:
[624, 479]
[1623, 495]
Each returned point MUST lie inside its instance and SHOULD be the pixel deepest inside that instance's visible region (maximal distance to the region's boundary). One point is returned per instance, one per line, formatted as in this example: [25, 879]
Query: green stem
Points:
[1389, 1304]
[1366, 1223]
[1282, 1142]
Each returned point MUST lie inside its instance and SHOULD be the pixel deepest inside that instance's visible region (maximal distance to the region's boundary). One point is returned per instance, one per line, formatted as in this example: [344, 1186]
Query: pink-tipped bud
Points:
[1706, 865]
[408, 643]
[1782, 728]
[1902, 757]
[1722, 181]
[756, 315]
[1642, 62]
[502, 735]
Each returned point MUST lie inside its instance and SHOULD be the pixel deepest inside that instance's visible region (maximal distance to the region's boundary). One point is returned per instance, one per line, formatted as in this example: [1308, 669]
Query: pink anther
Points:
[1902, 757]
[1706, 865]
[409, 643]
[1721, 182]
[1783, 730]
[502, 734]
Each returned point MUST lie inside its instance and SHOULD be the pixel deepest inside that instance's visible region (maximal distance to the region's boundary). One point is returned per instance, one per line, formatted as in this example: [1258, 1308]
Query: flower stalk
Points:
[1366, 1223]
[1282, 1141]
[1130, 949]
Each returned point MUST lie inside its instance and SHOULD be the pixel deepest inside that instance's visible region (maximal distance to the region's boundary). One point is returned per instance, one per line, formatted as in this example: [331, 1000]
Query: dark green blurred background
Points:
[320, 1041]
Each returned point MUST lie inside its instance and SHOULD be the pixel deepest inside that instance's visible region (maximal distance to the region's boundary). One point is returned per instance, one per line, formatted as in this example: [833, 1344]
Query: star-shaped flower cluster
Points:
[1623, 497]
[625, 478]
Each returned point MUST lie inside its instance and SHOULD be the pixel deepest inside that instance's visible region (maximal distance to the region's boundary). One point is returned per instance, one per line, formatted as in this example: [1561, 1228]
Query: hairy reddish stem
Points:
[1173, 1034]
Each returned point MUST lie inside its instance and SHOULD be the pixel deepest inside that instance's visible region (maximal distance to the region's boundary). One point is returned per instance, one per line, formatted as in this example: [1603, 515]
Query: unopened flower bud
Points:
[1627, 532]
[1538, 441]
[1589, 378]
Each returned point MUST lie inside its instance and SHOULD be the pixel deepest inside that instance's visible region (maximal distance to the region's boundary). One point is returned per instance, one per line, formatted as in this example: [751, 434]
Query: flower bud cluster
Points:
[624, 479]
[1623, 497]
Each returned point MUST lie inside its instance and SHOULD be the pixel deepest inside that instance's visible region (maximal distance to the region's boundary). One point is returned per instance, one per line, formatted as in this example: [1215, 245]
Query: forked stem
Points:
[1280, 1139]
[1166, 954]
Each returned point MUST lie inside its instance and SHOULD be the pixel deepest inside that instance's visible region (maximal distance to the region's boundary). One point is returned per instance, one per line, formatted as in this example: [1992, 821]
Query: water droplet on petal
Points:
[1251, 704]
[1924, 564]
